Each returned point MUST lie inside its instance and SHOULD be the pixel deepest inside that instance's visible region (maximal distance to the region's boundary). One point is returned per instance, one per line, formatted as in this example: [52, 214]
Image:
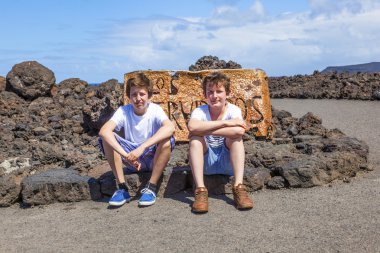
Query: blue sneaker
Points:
[119, 198]
[147, 198]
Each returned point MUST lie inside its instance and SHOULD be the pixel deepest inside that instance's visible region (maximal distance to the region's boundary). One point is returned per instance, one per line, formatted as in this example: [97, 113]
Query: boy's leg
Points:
[121, 195]
[115, 162]
[197, 149]
[237, 157]
[161, 159]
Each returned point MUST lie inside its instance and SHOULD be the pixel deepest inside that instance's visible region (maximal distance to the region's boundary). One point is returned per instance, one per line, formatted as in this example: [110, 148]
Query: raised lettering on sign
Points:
[180, 92]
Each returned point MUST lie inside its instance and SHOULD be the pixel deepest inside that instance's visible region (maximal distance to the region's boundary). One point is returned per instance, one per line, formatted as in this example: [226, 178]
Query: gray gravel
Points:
[340, 217]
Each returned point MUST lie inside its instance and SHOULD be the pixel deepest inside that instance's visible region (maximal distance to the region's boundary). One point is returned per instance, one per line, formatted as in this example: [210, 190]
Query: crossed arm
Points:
[106, 133]
[231, 128]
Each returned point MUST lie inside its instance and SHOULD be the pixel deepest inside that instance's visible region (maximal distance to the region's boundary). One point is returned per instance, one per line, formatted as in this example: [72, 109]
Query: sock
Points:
[151, 187]
[122, 186]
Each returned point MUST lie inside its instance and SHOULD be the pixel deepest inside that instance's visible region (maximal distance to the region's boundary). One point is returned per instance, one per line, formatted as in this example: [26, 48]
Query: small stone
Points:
[39, 131]
[276, 182]
[376, 95]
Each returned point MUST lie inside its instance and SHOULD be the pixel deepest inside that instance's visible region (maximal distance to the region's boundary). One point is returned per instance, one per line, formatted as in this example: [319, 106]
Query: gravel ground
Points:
[340, 217]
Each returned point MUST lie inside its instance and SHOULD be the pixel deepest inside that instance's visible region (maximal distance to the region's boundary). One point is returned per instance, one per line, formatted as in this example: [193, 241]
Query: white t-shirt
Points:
[138, 129]
[202, 113]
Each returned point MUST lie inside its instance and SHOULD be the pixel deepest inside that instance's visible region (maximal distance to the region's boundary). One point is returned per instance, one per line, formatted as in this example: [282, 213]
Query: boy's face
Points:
[216, 95]
[139, 99]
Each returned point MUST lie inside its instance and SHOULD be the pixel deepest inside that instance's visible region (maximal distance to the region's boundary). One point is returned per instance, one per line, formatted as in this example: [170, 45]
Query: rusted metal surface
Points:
[180, 92]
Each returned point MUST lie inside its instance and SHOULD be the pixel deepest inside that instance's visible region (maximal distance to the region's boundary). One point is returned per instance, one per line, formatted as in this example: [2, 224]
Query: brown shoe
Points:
[242, 200]
[200, 204]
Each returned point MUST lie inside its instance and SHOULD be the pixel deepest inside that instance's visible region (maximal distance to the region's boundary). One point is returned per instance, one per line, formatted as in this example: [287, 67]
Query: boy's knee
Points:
[197, 142]
[235, 138]
[165, 144]
[229, 141]
[196, 139]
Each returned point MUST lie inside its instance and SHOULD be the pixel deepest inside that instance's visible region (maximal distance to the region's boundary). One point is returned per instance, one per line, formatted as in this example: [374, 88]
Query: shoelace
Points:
[202, 196]
[149, 191]
[120, 191]
[241, 193]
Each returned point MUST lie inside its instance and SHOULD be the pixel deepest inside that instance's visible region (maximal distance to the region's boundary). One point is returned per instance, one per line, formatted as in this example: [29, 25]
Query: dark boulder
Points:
[30, 80]
[376, 94]
[58, 185]
[213, 62]
[9, 190]
[2, 83]
[101, 103]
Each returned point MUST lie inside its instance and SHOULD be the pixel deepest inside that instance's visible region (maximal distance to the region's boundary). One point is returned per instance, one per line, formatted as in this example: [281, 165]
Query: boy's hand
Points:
[133, 157]
[133, 161]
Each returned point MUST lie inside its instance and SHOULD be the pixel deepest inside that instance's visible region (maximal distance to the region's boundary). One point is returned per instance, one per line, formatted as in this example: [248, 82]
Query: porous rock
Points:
[58, 185]
[9, 190]
[101, 103]
[2, 83]
[213, 62]
[30, 80]
[362, 86]
[59, 131]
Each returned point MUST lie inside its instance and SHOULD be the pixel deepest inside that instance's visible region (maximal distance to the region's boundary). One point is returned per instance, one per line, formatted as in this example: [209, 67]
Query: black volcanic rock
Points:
[58, 185]
[2, 83]
[60, 131]
[376, 94]
[213, 62]
[9, 190]
[30, 80]
[101, 103]
[363, 86]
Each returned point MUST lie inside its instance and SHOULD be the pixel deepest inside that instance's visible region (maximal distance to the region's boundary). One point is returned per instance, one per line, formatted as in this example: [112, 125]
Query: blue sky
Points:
[96, 40]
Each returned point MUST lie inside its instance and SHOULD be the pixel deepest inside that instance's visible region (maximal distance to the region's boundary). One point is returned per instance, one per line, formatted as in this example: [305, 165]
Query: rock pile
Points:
[30, 80]
[49, 153]
[213, 62]
[363, 86]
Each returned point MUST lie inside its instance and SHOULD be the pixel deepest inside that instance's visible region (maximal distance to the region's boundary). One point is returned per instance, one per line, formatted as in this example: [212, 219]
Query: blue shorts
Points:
[217, 161]
[146, 159]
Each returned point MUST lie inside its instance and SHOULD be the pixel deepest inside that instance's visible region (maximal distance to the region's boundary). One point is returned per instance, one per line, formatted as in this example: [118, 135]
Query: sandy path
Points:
[337, 218]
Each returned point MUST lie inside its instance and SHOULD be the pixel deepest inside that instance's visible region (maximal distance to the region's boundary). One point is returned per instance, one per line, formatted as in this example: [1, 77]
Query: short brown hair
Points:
[141, 81]
[217, 78]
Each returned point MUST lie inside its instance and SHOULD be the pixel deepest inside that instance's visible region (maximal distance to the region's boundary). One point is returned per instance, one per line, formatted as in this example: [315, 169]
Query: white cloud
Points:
[332, 33]
[332, 7]
[229, 15]
[257, 8]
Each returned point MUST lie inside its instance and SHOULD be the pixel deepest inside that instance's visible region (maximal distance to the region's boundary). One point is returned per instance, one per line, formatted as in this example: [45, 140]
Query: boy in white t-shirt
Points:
[147, 143]
[216, 145]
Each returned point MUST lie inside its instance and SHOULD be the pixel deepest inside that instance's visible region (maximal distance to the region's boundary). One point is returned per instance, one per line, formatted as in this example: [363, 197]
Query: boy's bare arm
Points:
[226, 128]
[106, 133]
[228, 132]
[165, 132]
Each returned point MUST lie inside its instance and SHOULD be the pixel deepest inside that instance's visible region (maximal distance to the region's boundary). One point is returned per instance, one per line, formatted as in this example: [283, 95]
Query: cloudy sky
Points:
[97, 40]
